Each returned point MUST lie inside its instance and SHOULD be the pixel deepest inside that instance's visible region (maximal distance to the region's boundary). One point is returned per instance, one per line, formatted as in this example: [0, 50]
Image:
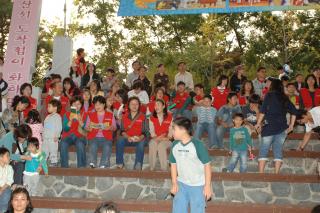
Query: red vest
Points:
[33, 105]
[307, 100]
[165, 98]
[64, 103]
[108, 117]
[242, 100]
[163, 128]
[198, 97]
[136, 129]
[219, 98]
[74, 126]
[180, 99]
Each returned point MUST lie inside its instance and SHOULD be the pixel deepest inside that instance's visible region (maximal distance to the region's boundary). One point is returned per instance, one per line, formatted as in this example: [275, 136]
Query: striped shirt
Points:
[206, 114]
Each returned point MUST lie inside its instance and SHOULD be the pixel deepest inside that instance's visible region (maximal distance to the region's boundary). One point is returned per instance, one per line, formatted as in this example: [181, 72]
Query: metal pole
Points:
[65, 18]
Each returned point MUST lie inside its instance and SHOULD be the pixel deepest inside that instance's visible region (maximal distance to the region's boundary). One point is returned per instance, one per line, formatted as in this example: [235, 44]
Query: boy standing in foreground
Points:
[189, 158]
[6, 178]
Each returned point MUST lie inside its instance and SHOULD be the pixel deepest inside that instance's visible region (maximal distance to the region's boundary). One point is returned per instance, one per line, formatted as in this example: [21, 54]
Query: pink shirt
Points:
[37, 130]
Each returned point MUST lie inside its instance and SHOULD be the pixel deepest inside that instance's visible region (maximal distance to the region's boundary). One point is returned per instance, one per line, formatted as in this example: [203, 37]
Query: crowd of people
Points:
[88, 110]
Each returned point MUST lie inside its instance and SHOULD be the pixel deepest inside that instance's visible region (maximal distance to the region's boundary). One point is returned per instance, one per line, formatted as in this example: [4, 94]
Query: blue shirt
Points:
[226, 113]
[7, 141]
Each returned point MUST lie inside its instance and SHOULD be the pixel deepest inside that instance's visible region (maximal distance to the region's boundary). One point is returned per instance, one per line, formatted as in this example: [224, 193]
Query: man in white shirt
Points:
[184, 76]
[134, 75]
[139, 93]
[311, 119]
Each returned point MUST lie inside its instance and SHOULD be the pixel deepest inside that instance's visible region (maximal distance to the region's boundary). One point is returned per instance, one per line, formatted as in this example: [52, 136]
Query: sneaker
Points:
[92, 166]
[138, 166]
[102, 167]
[120, 166]
[53, 164]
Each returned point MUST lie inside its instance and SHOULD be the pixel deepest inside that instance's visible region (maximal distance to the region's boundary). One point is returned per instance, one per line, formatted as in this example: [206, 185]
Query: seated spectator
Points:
[239, 144]
[20, 201]
[159, 95]
[224, 118]
[13, 116]
[114, 88]
[17, 138]
[166, 97]
[69, 88]
[220, 93]
[133, 131]
[299, 81]
[120, 105]
[246, 91]
[109, 80]
[182, 100]
[310, 95]
[199, 90]
[91, 75]
[137, 91]
[26, 90]
[161, 77]
[100, 126]
[87, 101]
[311, 120]
[273, 112]
[107, 207]
[6, 178]
[251, 112]
[95, 89]
[259, 82]
[293, 95]
[206, 115]
[58, 95]
[160, 125]
[73, 133]
[75, 76]
[237, 79]
[146, 86]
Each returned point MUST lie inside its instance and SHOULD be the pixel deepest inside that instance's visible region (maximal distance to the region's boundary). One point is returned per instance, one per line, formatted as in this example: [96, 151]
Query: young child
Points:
[240, 143]
[206, 115]
[34, 167]
[183, 101]
[100, 125]
[199, 90]
[52, 131]
[58, 95]
[190, 170]
[34, 122]
[6, 178]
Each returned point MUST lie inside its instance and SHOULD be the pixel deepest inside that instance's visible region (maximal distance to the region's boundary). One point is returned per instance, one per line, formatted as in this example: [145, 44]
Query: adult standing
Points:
[273, 112]
[237, 79]
[184, 76]
[259, 82]
[134, 75]
[90, 76]
[145, 81]
[161, 77]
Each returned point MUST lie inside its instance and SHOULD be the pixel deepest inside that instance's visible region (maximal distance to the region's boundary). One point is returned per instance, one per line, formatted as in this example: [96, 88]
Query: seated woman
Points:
[224, 117]
[73, 133]
[160, 125]
[133, 130]
[100, 125]
[310, 96]
[246, 91]
[137, 91]
[95, 89]
[69, 88]
[26, 91]
[17, 138]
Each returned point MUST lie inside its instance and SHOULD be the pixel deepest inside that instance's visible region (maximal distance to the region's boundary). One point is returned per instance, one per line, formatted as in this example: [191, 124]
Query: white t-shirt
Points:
[315, 113]
[186, 77]
[143, 96]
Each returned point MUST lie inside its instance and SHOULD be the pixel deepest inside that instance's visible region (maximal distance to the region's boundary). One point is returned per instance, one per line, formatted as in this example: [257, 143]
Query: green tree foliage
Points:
[5, 16]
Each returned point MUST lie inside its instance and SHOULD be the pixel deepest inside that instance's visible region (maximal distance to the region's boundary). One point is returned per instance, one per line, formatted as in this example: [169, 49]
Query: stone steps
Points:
[74, 205]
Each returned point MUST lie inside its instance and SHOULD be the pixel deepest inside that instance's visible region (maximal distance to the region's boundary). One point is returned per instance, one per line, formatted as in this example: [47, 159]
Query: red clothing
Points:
[33, 105]
[180, 99]
[64, 103]
[108, 117]
[84, 66]
[163, 128]
[165, 98]
[151, 106]
[219, 97]
[307, 99]
[74, 126]
[265, 91]
[137, 127]
[198, 97]
[242, 100]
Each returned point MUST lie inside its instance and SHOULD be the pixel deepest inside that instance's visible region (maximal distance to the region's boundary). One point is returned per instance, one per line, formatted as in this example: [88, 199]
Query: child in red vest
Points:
[220, 93]
[58, 95]
[100, 125]
[183, 101]
[160, 126]
[73, 133]
[133, 130]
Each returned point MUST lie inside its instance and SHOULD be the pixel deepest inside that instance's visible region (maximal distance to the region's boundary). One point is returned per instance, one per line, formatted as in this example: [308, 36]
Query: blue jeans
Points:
[220, 132]
[276, 141]
[122, 143]
[186, 195]
[106, 151]
[236, 156]
[186, 113]
[80, 144]
[210, 128]
[4, 199]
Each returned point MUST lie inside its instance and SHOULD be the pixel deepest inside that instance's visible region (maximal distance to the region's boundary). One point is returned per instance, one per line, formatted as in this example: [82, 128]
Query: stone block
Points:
[133, 191]
[281, 189]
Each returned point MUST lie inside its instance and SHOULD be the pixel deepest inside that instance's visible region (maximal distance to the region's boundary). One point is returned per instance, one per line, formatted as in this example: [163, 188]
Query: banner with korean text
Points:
[22, 44]
[167, 7]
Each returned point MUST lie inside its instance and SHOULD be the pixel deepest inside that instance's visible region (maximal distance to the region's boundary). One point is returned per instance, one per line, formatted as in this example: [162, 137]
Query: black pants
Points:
[18, 168]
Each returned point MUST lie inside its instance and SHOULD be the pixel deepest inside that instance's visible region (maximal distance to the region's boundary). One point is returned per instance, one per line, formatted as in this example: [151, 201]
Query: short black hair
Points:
[160, 65]
[316, 209]
[3, 151]
[110, 69]
[55, 76]
[208, 96]
[23, 86]
[181, 62]
[298, 74]
[33, 117]
[181, 83]
[34, 141]
[184, 123]
[231, 95]
[254, 99]
[57, 104]
[199, 86]
[107, 207]
[22, 131]
[260, 68]
[136, 61]
[132, 99]
[301, 113]
[99, 99]
[123, 95]
[79, 51]
[238, 115]
[19, 99]
[221, 78]
[137, 85]
[75, 99]
[291, 84]
[285, 78]
[280, 67]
